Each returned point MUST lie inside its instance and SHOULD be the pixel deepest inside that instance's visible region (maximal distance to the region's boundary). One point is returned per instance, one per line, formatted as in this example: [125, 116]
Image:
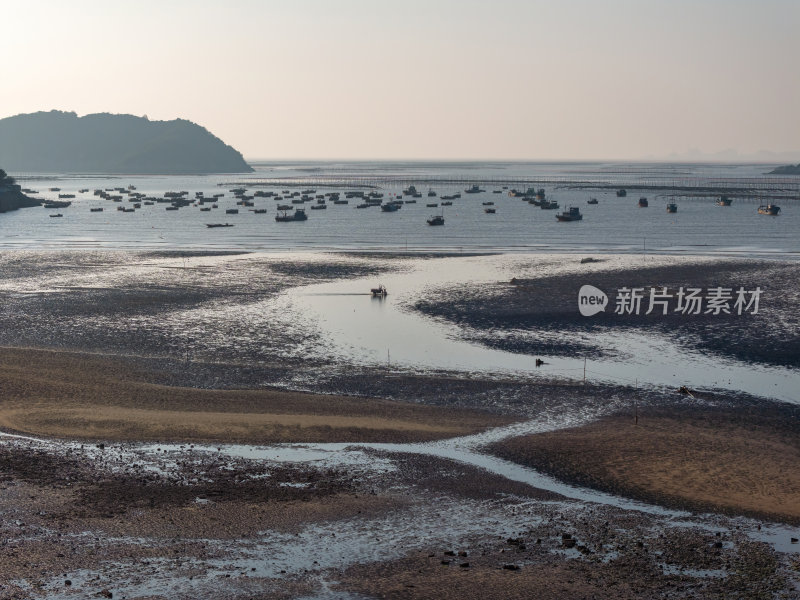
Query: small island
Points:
[11, 196]
[63, 142]
[786, 170]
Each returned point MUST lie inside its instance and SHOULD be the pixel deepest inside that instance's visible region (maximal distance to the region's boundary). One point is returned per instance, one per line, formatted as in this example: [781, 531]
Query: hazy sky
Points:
[422, 79]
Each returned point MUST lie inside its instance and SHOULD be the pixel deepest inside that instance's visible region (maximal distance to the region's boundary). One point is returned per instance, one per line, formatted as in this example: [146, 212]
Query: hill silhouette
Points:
[62, 142]
[787, 170]
[11, 196]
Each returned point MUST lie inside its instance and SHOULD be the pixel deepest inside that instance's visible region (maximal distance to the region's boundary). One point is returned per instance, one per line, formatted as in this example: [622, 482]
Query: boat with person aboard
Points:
[769, 209]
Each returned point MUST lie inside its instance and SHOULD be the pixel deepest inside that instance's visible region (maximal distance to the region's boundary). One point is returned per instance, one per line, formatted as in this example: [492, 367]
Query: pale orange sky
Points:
[412, 79]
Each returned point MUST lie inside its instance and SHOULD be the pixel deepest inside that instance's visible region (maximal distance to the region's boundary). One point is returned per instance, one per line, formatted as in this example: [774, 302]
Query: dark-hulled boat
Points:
[672, 207]
[769, 209]
[572, 213]
[298, 215]
[436, 220]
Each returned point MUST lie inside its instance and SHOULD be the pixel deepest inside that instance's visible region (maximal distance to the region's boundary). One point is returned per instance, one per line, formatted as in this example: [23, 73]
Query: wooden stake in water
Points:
[584, 370]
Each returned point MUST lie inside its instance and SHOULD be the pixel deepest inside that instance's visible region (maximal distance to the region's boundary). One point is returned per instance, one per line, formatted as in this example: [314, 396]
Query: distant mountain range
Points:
[62, 142]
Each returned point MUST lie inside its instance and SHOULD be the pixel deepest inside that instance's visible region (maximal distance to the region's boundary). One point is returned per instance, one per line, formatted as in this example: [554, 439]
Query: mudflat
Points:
[83, 396]
[720, 459]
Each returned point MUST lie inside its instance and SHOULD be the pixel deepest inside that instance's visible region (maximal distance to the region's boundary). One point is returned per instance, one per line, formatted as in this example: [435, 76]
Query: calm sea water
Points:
[614, 225]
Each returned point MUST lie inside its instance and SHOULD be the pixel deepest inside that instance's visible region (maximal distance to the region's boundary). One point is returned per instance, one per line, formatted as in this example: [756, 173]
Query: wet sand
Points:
[79, 396]
[739, 461]
[104, 351]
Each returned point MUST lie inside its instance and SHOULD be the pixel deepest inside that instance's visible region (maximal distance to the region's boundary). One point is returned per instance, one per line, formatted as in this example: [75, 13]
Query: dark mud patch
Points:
[592, 557]
[538, 316]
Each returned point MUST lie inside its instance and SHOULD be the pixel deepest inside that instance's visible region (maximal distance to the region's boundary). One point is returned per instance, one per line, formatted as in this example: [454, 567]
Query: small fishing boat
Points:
[98, 209]
[299, 215]
[643, 202]
[548, 204]
[724, 201]
[447, 203]
[436, 220]
[57, 204]
[232, 211]
[474, 190]
[432, 205]
[258, 211]
[319, 206]
[572, 213]
[431, 194]
[490, 210]
[621, 193]
[672, 207]
[390, 207]
[57, 215]
[488, 203]
[379, 292]
[592, 201]
[766, 209]
[213, 225]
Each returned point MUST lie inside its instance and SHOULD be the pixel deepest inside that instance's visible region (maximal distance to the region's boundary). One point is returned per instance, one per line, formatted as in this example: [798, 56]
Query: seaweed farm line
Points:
[786, 188]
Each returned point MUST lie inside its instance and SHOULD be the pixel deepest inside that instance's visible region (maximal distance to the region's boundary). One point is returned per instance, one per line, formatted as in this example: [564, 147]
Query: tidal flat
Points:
[201, 425]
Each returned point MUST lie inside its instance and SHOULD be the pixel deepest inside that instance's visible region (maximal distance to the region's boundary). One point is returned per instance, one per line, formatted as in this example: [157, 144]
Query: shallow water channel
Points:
[362, 329]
